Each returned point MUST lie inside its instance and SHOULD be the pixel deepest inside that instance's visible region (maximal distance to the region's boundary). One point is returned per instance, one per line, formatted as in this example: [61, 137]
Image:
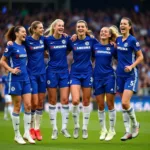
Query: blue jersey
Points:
[57, 54]
[126, 55]
[5, 83]
[17, 57]
[82, 53]
[35, 51]
[103, 60]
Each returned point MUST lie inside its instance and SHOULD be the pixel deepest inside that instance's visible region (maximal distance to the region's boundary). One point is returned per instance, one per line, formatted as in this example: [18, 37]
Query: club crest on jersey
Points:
[6, 50]
[137, 44]
[18, 51]
[86, 43]
[41, 42]
[125, 44]
[64, 41]
[108, 48]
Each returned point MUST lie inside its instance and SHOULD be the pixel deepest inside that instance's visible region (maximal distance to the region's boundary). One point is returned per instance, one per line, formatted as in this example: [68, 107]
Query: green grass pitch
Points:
[142, 142]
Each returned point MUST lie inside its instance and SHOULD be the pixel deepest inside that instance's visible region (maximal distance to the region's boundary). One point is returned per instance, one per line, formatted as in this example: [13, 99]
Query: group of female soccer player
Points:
[29, 77]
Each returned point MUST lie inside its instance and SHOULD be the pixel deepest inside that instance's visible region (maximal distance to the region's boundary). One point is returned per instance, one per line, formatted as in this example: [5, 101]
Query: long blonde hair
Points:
[114, 33]
[50, 30]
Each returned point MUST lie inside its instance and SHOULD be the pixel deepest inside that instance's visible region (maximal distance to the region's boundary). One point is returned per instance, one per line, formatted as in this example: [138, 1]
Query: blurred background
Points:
[97, 13]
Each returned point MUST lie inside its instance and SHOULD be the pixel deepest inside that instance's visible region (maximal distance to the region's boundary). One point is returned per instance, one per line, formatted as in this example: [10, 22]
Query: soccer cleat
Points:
[135, 130]
[28, 137]
[127, 136]
[103, 135]
[110, 135]
[84, 134]
[76, 133]
[19, 140]
[38, 134]
[65, 133]
[32, 133]
[54, 135]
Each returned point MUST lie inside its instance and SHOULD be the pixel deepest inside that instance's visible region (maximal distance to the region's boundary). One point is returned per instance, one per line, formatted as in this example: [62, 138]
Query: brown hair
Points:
[33, 26]
[10, 35]
[89, 32]
[130, 24]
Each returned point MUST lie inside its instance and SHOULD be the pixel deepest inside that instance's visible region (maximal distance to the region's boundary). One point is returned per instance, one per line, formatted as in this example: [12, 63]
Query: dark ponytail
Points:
[10, 35]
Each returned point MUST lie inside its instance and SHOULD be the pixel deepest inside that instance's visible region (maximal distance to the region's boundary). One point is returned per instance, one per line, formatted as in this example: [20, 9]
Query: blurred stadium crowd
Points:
[95, 20]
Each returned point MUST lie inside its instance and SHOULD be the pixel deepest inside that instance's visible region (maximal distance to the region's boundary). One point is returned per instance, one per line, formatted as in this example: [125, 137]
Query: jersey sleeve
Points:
[115, 53]
[8, 51]
[135, 45]
[69, 46]
[46, 43]
[95, 41]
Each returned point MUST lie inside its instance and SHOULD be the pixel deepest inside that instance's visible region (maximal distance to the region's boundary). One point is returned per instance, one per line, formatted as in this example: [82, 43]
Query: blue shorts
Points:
[107, 85]
[85, 80]
[55, 80]
[19, 87]
[128, 83]
[38, 83]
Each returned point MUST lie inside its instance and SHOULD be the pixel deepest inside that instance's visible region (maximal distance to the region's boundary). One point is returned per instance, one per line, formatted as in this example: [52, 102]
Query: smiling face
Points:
[81, 29]
[21, 34]
[39, 29]
[59, 27]
[124, 26]
[105, 33]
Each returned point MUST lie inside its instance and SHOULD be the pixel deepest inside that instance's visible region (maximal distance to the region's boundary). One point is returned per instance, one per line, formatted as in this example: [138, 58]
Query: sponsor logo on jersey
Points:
[122, 48]
[82, 47]
[58, 47]
[36, 47]
[21, 55]
[103, 52]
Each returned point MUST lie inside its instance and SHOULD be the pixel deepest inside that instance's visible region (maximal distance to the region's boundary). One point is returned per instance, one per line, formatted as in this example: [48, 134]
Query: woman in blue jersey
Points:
[81, 76]
[105, 80]
[37, 74]
[14, 60]
[57, 75]
[129, 56]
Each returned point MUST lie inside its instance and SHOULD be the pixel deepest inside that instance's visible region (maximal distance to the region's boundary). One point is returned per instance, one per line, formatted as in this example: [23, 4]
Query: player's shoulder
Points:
[132, 38]
[10, 47]
[119, 37]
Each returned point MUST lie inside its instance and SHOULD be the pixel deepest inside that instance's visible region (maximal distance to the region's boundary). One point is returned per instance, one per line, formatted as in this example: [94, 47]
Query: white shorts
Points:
[7, 98]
